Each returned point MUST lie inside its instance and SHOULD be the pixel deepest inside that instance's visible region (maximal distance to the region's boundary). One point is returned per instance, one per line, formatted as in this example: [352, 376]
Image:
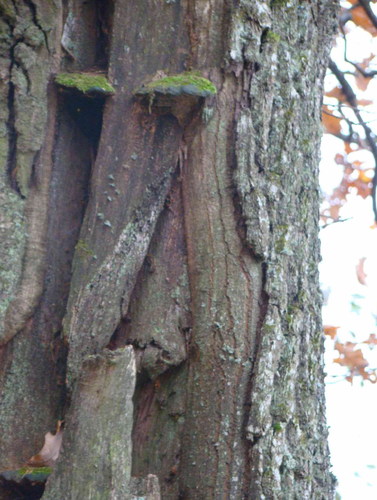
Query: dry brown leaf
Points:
[364, 177]
[50, 450]
[330, 122]
[361, 18]
[362, 82]
[354, 360]
[331, 331]
[364, 190]
[372, 340]
[364, 102]
[337, 93]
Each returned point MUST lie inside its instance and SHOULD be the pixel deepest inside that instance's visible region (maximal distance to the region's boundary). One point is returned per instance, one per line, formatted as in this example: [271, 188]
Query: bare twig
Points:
[341, 106]
[370, 138]
[365, 74]
[333, 221]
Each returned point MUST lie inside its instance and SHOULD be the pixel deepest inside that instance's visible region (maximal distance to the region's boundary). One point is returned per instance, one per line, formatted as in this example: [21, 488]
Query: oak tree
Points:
[159, 246]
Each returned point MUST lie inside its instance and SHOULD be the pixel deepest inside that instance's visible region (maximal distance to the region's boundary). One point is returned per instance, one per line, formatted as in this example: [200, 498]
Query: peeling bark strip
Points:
[96, 460]
[191, 221]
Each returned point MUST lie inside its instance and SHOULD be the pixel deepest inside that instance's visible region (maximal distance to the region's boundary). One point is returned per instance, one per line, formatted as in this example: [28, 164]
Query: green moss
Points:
[281, 410]
[277, 427]
[272, 37]
[32, 472]
[185, 83]
[83, 249]
[268, 473]
[7, 9]
[269, 328]
[278, 3]
[281, 243]
[85, 82]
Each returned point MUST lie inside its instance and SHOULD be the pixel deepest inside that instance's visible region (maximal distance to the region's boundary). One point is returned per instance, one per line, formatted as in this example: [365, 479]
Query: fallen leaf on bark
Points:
[50, 450]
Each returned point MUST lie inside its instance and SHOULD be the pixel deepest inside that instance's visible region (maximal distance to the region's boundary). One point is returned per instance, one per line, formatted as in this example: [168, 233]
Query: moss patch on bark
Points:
[185, 83]
[85, 82]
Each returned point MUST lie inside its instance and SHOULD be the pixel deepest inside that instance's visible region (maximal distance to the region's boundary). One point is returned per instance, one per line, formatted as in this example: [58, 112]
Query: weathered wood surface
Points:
[186, 231]
[97, 455]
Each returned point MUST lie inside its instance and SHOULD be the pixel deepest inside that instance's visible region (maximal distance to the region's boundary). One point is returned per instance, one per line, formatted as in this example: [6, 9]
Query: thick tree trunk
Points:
[180, 224]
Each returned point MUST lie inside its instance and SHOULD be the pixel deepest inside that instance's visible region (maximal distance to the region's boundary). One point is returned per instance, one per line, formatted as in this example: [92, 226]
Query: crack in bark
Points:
[33, 10]
[12, 139]
[11, 124]
[263, 303]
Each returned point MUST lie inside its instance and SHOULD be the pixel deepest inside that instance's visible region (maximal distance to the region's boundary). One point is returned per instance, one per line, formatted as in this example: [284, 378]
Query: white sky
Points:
[352, 409]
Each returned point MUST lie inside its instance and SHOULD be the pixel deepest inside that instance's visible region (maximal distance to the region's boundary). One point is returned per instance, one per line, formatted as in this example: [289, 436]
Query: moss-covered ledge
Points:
[29, 482]
[181, 95]
[87, 83]
[187, 83]
[30, 473]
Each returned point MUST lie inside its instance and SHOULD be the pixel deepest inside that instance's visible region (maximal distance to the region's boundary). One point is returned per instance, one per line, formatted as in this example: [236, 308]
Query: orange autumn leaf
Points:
[330, 122]
[354, 360]
[50, 450]
[361, 18]
[364, 102]
[372, 340]
[334, 211]
[331, 331]
[337, 93]
[364, 177]
[362, 82]
[364, 190]
[345, 348]
[366, 61]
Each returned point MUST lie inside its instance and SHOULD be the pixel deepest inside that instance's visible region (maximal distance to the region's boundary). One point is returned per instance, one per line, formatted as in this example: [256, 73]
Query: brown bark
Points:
[182, 226]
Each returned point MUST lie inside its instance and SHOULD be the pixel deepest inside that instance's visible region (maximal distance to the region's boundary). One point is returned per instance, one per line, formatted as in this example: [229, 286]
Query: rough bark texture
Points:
[181, 226]
[97, 455]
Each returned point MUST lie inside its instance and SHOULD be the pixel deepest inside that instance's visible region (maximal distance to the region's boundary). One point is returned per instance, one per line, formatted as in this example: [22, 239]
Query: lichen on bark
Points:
[28, 35]
[276, 179]
[198, 247]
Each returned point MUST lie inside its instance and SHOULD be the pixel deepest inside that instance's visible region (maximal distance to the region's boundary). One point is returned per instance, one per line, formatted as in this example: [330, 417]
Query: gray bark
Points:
[180, 226]
[97, 452]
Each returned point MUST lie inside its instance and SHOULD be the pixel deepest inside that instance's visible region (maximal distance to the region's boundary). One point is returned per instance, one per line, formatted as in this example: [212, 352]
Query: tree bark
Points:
[178, 228]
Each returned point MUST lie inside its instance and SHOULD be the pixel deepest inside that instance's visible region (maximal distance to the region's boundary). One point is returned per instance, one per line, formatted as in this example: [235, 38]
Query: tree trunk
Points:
[169, 226]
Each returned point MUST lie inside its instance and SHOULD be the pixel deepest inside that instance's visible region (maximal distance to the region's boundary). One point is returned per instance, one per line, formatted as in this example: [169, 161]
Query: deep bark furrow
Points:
[12, 137]
[33, 10]
[11, 119]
